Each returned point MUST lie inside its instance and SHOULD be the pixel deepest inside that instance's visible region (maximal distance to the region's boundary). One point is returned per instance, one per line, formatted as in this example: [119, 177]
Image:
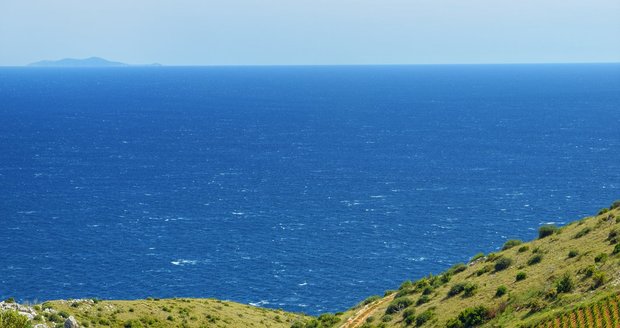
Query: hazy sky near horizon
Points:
[282, 32]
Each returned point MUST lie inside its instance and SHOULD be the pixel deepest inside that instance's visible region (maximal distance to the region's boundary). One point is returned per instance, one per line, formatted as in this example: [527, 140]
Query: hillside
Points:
[568, 277]
[522, 285]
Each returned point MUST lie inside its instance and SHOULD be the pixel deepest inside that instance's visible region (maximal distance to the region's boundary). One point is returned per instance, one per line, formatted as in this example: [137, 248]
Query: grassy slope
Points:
[515, 308]
[171, 313]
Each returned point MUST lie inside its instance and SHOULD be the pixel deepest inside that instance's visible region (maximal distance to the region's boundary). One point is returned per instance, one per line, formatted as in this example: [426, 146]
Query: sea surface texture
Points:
[302, 188]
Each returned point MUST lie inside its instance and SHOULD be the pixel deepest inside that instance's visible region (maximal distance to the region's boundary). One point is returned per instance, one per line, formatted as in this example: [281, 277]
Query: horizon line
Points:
[160, 65]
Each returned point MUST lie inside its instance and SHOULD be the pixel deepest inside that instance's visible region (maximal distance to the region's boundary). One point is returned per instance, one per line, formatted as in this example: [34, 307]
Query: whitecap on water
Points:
[182, 262]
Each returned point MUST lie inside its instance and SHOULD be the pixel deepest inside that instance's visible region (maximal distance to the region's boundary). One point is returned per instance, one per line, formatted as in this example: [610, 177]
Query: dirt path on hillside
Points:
[361, 315]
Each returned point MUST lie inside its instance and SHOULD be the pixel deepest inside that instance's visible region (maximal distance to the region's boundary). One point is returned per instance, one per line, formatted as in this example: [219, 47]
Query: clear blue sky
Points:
[267, 32]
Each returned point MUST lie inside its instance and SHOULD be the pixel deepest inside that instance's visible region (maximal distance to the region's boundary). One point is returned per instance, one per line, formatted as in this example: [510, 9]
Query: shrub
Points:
[470, 289]
[476, 257]
[603, 211]
[483, 270]
[502, 263]
[398, 305]
[613, 236]
[588, 271]
[616, 249]
[328, 319]
[546, 231]
[615, 204]
[572, 253]
[386, 318]
[370, 299]
[409, 316]
[406, 285]
[521, 276]
[599, 278]
[511, 243]
[459, 267]
[12, 319]
[9, 300]
[427, 291]
[424, 317]
[536, 305]
[470, 317]
[534, 259]
[133, 324]
[524, 248]
[582, 232]
[565, 284]
[423, 299]
[501, 291]
[601, 258]
[456, 289]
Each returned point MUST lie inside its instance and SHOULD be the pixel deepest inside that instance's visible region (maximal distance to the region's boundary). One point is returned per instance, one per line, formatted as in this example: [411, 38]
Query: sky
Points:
[311, 32]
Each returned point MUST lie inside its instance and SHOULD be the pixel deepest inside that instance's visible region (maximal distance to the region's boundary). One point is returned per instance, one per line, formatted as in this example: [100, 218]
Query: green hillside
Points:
[568, 277]
[522, 285]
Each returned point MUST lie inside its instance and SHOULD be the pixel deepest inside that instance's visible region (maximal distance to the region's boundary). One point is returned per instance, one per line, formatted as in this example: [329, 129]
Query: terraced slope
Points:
[602, 314]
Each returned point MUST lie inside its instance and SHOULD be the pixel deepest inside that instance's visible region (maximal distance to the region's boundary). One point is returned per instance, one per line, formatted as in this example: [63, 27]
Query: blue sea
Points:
[302, 188]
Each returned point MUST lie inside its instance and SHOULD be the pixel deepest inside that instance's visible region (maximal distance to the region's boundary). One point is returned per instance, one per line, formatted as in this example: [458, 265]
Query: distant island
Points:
[86, 62]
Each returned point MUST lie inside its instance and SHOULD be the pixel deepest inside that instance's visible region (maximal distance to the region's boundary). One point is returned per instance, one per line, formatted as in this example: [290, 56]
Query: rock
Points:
[41, 325]
[71, 323]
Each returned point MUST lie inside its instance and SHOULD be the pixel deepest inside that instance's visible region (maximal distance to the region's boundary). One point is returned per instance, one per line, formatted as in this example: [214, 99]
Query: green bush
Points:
[459, 267]
[328, 319]
[424, 317]
[599, 278]
[470, 317]
[615, 204]
[613, 236]
[398, 305]
[409, 316]
[407, 284]
[572, 253]
[502, 263]
[524, 248]
[483, 270]
[456, 289]
[12, 319]
[133, 324]
[386, 318]
[370, 299]
[501, 291]
[537, 258]
[603, 211]
[565, 284]
[520, 276]
[546, 231]
[582, 232]
[511, 243]
[616, 249]
[423, 299]
[601, 258]
[476, 257]
[470, 289]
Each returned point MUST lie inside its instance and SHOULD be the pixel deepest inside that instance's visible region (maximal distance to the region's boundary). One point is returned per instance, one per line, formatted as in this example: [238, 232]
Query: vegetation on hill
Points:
[568, 277]
[523, 285]
[178, 312]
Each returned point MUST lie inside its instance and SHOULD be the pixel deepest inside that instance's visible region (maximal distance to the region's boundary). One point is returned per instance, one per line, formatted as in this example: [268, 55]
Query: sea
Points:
[306, 188]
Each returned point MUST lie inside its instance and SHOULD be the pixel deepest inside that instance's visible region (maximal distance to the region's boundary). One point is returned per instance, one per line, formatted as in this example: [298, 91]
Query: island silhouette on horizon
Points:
[86, 62]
